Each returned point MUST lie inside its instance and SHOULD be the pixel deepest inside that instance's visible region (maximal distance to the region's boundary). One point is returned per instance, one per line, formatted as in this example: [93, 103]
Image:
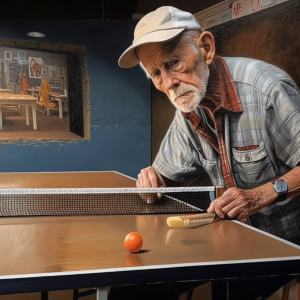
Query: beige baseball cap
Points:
[160, 25]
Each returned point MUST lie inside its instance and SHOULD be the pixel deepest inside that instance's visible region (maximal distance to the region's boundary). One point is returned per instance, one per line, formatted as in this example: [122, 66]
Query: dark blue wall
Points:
[120, 103]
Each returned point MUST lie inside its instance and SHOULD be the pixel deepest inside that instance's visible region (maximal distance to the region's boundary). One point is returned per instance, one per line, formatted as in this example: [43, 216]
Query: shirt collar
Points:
[227, 92]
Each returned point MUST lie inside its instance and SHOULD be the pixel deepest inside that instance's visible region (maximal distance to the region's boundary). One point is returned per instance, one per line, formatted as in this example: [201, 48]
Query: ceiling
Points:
[91, 9]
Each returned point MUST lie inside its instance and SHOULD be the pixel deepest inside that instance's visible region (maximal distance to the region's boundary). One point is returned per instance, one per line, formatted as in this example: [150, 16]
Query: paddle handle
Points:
[190, 220]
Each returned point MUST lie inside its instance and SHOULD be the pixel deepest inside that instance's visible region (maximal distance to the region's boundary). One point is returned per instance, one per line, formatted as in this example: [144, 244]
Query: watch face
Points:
[281, 186]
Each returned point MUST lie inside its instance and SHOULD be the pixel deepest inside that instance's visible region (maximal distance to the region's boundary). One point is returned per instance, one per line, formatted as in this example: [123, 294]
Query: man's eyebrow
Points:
[150, 71]
[170, 58]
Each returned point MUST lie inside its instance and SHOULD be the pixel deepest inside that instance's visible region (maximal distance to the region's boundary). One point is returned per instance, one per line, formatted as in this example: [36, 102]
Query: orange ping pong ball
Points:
[133, 242]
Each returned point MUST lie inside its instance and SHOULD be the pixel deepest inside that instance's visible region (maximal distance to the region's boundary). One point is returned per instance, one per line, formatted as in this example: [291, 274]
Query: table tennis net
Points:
[80, 202]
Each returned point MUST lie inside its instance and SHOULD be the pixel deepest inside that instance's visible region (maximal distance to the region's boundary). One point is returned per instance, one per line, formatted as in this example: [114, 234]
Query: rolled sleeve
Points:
[177, 158]
[283, 122]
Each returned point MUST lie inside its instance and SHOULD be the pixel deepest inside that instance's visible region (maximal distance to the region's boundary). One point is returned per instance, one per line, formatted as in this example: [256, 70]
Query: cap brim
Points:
[129, 57]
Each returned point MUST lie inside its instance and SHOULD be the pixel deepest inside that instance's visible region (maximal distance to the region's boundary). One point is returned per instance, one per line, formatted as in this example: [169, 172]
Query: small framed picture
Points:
[60, 71]
[61, 77]
[8, 55]
[21, 55]
[52, 71]
[44, 71]
[211, 21]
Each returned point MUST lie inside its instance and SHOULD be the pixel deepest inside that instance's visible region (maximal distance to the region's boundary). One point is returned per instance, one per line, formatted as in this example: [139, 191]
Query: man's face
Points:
[181, 74]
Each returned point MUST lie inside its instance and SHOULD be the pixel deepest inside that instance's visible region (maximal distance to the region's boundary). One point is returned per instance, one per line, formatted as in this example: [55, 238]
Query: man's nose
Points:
[169, 80]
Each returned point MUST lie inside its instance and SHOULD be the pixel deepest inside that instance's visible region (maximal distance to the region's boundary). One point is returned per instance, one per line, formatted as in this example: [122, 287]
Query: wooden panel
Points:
[272, 35]
[162, 115]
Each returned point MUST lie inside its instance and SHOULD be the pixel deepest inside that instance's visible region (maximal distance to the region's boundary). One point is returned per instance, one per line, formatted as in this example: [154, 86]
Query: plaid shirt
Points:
[256, 137]
[230, 102]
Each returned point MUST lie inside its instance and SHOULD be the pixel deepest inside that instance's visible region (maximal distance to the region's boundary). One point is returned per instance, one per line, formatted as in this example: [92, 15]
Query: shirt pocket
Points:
[253, 166]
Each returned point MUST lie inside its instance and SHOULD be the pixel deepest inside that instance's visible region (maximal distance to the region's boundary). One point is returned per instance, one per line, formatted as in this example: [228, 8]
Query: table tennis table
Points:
[71, 252]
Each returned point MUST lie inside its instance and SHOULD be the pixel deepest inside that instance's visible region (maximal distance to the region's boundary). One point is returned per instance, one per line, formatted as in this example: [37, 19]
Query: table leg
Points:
[298, 287]
[44, 296]
[286, 291]
[60, 108]
[34, 116]
[65, 104]
[219, 289]
[101, 294]
[26, 114]
[0, 117]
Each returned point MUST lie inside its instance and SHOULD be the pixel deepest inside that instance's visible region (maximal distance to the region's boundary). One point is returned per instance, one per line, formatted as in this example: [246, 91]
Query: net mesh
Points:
[103, 202]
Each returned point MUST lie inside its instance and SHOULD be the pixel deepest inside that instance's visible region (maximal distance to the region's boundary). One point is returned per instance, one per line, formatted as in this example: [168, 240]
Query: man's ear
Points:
[206, 44]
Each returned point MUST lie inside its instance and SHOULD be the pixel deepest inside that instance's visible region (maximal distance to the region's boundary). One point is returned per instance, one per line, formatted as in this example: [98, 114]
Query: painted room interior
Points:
[119, 103]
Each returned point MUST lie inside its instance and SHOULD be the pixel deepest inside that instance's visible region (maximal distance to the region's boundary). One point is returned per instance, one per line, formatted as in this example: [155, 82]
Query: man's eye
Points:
[175, 62]
[156, 73]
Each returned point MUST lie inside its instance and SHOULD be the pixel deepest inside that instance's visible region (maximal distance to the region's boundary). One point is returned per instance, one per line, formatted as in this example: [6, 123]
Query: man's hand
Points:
[149, 178]
[239, 204]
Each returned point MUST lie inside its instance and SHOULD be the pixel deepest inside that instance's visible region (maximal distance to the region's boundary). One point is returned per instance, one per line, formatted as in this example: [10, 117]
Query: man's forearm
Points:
[292, 178]
[239, 203]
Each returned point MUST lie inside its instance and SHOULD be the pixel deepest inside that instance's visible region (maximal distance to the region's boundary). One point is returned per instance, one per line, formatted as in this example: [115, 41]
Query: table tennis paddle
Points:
[195, 220]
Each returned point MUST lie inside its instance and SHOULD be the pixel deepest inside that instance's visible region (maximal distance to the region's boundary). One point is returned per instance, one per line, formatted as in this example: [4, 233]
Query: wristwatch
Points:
[281, 188]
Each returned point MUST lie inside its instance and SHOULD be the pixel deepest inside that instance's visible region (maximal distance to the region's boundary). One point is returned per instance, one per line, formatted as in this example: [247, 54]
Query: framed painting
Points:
[35, 67]
[8, 55]
[52, 71]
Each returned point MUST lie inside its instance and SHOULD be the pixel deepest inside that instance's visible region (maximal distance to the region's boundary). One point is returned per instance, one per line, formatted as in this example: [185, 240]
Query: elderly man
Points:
[237, 120]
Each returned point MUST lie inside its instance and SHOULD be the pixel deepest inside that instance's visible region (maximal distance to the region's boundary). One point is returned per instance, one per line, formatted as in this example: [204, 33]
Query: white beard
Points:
[190, 103]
